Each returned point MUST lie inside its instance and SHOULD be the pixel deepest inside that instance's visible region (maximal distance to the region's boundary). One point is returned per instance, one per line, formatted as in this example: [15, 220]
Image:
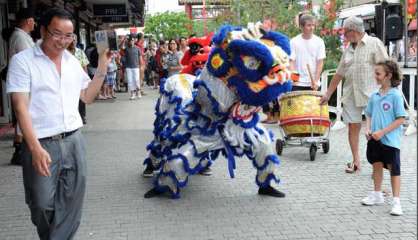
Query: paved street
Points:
[322, 201]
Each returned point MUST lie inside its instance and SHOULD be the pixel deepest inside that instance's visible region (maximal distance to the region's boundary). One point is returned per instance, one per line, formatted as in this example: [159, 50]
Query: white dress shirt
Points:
[53, 104]
[19, 41]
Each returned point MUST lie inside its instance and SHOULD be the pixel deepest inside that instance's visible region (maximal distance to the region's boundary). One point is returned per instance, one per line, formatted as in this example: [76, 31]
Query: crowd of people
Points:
[88, 75]
[139, 62]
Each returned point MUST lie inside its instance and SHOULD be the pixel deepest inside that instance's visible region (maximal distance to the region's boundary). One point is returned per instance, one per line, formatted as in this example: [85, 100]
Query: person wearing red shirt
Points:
[140, 44]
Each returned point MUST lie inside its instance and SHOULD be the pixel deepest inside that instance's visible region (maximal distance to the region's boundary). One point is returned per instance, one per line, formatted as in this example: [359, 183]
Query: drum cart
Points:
[303, 122]
[312, 142]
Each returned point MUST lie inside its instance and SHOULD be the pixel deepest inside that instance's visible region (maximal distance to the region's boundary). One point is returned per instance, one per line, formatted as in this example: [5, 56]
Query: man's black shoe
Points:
[17, 155]
[270, 191]
[152, 193]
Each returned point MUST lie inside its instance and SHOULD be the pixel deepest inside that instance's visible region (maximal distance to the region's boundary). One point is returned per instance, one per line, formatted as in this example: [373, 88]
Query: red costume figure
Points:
[197, 54]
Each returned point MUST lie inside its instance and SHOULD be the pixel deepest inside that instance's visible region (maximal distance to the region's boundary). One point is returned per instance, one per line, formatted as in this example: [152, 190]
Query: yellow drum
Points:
[301, 115]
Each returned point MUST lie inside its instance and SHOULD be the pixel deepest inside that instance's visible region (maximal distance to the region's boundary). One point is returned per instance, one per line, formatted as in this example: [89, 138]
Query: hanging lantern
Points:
[412, 10]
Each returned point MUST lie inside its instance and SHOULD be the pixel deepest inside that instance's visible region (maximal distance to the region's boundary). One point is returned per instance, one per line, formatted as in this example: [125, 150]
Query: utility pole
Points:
[405, 34]
[238, 12]
[384, 7]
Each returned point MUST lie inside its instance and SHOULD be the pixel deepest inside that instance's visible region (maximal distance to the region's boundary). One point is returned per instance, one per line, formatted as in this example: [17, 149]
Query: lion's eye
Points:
[250, 62]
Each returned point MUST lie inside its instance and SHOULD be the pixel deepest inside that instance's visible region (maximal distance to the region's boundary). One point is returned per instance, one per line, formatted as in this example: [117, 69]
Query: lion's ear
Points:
[222, 34]
[279, 39]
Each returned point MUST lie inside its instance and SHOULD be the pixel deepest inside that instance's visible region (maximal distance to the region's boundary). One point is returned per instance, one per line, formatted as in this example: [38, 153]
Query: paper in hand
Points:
[106, 39]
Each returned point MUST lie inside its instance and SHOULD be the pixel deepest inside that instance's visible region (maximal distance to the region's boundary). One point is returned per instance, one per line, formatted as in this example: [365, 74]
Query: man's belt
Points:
[59, 136]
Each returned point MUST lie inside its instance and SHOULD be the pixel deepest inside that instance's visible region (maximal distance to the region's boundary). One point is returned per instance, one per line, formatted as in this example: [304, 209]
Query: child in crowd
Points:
[110, 79]
[385, 114]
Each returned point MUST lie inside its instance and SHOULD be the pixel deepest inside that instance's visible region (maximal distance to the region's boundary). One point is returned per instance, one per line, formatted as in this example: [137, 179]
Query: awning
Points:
[200, 2]
[359, 11]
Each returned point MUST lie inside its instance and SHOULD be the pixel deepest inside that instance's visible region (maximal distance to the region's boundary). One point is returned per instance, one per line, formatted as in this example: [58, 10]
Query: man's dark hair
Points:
[131, 37]
[23, 14]
[139, 36]
[54, 12]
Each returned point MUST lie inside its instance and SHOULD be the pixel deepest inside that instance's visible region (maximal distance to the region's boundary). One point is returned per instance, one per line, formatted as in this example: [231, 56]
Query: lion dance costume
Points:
[199, 118]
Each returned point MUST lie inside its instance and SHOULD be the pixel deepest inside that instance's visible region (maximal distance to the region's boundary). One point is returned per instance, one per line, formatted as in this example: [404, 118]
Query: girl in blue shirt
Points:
[385, 114]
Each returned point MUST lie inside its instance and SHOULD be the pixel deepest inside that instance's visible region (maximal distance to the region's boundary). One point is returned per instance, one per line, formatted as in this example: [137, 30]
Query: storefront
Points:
[4, 103]
[7, 9]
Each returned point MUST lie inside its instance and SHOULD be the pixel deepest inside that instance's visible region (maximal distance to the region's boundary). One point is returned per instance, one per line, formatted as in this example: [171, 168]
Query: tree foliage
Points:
[199, 26]
[282, 12]
[168, 25]
[331, 36]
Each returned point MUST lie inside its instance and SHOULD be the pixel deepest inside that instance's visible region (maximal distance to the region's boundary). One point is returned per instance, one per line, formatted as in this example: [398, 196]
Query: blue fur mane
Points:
[223, 32]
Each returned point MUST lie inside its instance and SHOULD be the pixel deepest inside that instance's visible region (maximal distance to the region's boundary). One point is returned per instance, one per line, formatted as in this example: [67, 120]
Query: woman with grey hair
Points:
[356, 67]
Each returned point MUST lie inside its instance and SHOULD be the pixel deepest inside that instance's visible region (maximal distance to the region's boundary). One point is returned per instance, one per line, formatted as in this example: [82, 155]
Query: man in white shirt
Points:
[307, 55]
[19, 41]
[46, 83]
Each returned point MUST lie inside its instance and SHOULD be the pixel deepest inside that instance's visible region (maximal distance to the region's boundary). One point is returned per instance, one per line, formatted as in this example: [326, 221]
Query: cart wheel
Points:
[325, 146]
[279, 146]
[312, 152]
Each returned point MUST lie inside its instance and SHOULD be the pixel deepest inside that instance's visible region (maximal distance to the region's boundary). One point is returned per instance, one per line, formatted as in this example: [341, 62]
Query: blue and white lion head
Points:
[252, 62]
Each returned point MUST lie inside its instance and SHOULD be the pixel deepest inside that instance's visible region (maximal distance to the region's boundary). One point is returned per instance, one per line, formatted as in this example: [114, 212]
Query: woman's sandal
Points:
[101, 97]
[351, 168]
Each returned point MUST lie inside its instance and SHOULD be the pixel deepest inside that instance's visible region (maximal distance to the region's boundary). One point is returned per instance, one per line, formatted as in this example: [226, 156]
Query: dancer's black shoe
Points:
[153, 193]
[270, 191]
[149, 171]
[206, 171]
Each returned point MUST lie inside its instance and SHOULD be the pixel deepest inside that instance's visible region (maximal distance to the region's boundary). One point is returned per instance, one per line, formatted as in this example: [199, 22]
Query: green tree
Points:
[168, 25]
[282, 12]
[199, 26]
[331, 36]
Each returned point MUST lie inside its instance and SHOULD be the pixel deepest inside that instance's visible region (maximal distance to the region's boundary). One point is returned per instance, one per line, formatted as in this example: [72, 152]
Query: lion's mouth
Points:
[277, 74]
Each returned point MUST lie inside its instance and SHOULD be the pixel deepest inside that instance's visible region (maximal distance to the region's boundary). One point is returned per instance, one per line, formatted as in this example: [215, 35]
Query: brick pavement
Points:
[322, 201]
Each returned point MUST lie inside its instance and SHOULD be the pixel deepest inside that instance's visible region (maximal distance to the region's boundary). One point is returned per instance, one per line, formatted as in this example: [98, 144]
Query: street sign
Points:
[101, 10]
[115, 19]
